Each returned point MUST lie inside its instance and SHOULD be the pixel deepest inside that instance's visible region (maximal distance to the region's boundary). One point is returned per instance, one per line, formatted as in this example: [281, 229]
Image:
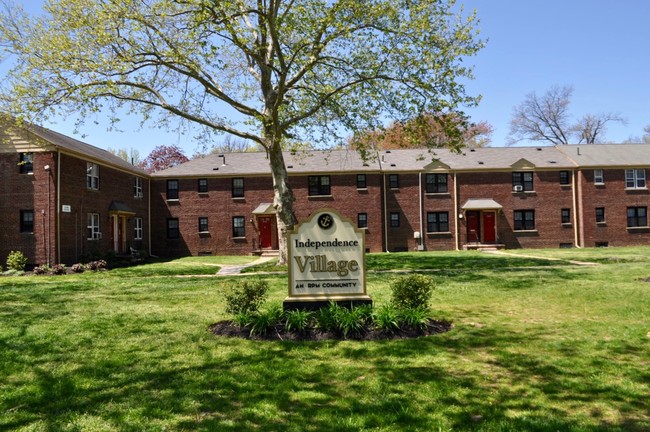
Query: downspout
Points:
[383, 178]
[149, 216]
[58, 206]
[578, 213]
[456, 226]
[421, 239]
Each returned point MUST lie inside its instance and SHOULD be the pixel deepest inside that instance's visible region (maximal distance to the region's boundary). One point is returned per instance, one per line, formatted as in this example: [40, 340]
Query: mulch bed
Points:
[228, 329]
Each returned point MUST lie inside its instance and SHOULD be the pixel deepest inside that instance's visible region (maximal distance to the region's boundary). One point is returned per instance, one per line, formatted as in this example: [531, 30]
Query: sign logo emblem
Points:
[325, 221]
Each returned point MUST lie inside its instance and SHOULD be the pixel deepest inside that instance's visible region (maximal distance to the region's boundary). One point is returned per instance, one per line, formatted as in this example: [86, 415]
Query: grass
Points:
[537, 346]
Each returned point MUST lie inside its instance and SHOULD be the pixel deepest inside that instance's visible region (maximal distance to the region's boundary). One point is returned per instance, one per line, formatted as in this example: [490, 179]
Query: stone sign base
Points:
[307, 303]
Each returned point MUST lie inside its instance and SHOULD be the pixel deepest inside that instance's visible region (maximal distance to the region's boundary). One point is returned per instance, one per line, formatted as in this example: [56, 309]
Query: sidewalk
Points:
[230, 270]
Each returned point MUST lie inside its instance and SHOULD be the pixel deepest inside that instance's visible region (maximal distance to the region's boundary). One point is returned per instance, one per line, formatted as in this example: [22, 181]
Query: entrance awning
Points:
[264, 208]
[481, 204]
[119, 207]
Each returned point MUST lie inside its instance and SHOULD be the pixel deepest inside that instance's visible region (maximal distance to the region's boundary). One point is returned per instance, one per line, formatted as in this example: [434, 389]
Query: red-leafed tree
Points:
[163, 157]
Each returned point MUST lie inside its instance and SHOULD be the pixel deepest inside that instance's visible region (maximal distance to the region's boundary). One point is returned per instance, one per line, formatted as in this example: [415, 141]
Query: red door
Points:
[489, 227]
[473, 227]
[266, 232]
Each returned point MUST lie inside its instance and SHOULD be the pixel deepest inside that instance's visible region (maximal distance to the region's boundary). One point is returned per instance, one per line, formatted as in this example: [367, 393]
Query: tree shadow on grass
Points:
[417, 384]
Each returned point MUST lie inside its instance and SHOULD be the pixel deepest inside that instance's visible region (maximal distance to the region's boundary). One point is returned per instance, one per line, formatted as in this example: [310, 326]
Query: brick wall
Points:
[613, 196]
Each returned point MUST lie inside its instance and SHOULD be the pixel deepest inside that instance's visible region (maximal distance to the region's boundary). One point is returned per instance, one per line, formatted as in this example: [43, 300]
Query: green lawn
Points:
[537, 345]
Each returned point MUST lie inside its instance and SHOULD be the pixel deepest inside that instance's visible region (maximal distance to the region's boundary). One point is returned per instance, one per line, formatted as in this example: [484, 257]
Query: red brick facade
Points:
[476, 198]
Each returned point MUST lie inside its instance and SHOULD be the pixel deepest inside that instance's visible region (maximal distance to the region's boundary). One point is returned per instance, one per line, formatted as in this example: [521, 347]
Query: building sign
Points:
[326, 259]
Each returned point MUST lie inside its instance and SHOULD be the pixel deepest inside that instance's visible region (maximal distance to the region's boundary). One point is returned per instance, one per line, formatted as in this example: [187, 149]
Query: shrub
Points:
[78, 268]
[96, 265]
[414, 318]
[298, 320]
[387, 319]
[42, 269]
[243, 319]
[352, 322]
[263, 322]
[412, 292]
[326, 318]
[245, 296]
[58, 269]
[13, 273]
[16, 260]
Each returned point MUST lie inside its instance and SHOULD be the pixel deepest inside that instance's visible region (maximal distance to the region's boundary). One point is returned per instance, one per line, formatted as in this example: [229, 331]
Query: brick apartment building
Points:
[63, 200]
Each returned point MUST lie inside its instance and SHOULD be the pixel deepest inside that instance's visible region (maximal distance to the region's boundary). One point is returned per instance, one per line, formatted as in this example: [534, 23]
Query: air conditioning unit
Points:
[98, 236]
[139, 195]
[518, 188]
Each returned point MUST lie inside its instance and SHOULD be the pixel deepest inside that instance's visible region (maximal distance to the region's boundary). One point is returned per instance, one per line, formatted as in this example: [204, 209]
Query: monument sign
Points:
[326, 262]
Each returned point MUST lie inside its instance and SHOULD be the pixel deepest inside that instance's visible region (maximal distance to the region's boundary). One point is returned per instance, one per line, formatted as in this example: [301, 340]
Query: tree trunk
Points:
[283, 199]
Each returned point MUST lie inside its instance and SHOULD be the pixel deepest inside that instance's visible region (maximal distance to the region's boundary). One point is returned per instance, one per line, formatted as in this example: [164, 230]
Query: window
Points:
[394, 220]
[238, 188]
[565, 178]
[566, 216]
[524, 220]
[361, 181]
[637, 217]
[238, 227]
[319, 185]
[393, 181]
[137, 187]
[172, 189]
[438, 222]
[173, 231]
[522, 181]
[93, 227]
[137, 230]
[599, 178]
[600, 214]
[203, 224]
[202, 186]
[27, 221]
[436, 183]
[92, 176]
[635, 179]
[26, 164]
[362, 220]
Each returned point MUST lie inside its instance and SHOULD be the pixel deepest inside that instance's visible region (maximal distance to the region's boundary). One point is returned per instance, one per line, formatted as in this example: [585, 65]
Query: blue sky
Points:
[599, 47]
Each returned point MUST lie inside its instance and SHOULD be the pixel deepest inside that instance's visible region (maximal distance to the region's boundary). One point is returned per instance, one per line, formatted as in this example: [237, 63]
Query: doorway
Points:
[489, 227]
[268, 231]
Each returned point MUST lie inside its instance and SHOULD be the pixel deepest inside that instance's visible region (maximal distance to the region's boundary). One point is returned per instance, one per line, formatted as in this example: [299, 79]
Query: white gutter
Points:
[578, 215]
[456, 225]
[58, 207]
[421, 239]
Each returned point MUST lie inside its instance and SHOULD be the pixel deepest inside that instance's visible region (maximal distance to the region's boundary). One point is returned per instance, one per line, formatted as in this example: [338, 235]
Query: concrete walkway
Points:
[580, 263]
[230, 270]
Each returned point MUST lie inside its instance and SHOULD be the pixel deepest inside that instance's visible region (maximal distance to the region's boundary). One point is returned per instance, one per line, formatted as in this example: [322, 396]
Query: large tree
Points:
[427, 131]
[547, 118]
[268, 71]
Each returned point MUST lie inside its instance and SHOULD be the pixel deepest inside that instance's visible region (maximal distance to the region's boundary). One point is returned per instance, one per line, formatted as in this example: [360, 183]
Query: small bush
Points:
[298, 320]
[13, 273]
[42, 269]
[96, 265]
[58, 269]
[326, 318]
[387, 319]
[16, 260]
[242, 319]
[414, 318]
[353, 322]
[263, 322]
[412, 292]
[78, 268]
[245, 296]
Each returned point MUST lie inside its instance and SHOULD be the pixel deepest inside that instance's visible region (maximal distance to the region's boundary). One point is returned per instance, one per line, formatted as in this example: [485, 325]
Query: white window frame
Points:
[92, 176]
[599, 177]
[635, 178]
[93, 232]
[137, 188]
[137, 229]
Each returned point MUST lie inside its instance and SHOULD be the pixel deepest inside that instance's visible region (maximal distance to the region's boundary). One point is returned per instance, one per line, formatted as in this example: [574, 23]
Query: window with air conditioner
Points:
[522, 181]
[93, 232]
